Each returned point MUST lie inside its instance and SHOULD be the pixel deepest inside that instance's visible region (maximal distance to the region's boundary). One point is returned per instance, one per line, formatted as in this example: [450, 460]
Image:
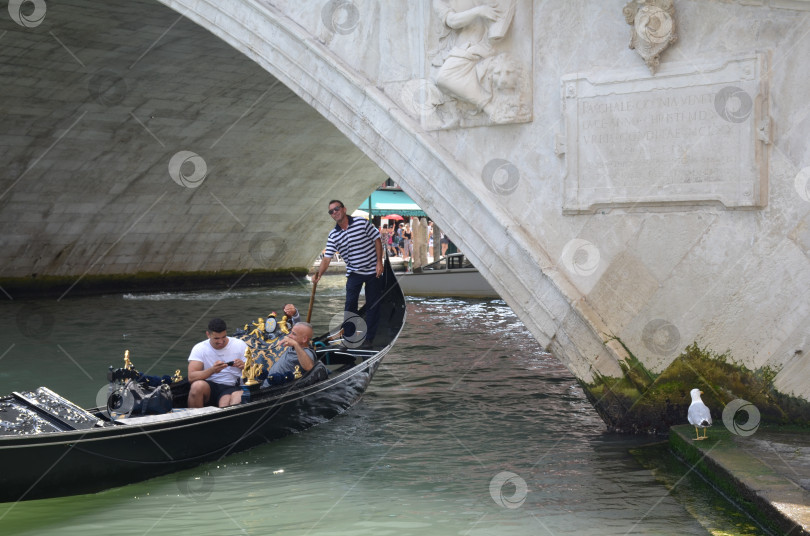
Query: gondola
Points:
[49, 447]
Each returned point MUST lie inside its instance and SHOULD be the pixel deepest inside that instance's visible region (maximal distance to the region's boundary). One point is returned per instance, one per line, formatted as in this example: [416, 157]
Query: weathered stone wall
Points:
[658, 264]
[96, 101]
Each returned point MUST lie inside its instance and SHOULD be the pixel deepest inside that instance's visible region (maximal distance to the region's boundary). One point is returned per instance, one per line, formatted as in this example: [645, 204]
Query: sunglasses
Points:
[333, 210]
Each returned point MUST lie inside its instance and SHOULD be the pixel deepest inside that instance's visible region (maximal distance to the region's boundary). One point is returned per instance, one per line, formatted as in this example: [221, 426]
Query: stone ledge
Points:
[76, 285]
[767, 496]
[339, 267]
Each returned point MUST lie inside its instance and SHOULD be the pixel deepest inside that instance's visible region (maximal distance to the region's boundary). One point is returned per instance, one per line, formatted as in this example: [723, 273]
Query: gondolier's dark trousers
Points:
[354, 282]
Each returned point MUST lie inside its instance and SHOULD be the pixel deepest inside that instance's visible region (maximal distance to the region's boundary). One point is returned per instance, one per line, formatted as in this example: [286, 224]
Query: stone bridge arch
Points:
[452, 194]
[615, 259]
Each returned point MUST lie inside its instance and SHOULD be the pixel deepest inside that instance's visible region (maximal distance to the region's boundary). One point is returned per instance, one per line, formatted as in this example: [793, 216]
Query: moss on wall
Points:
[643, 402]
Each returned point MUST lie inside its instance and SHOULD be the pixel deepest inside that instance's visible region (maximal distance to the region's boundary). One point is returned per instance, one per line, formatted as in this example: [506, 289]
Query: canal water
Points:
[468, 428]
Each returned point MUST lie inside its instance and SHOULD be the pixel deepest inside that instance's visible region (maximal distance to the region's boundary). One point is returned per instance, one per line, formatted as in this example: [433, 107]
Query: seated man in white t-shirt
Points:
[215, 368]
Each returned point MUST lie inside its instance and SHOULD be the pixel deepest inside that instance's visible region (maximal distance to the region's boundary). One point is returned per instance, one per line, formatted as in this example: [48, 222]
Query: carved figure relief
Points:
[476, 74]
[653, 23]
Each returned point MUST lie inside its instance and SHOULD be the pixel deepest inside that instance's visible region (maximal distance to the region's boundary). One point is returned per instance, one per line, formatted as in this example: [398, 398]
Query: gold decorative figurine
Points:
[177, 376]
[127, 363]
[251, 369]
[259, 331]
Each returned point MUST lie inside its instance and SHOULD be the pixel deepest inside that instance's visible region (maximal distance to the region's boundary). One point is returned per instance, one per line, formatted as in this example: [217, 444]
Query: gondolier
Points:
[358, 242]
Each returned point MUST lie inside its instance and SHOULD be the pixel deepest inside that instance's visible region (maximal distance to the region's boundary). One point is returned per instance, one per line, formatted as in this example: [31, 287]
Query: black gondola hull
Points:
[110, 454]
[88, 461]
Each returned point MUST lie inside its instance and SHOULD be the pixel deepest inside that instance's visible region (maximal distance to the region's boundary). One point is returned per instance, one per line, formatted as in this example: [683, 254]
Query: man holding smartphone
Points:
[215, 368]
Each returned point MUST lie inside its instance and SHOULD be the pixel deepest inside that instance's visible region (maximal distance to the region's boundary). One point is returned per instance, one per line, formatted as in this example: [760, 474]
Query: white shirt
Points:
[207, 355]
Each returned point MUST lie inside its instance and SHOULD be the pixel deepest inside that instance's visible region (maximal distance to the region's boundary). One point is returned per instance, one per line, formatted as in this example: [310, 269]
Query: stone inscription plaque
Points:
[688, 135]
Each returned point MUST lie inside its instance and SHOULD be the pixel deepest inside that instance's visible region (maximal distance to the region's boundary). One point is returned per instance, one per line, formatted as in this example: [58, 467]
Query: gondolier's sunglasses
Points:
[333, 210]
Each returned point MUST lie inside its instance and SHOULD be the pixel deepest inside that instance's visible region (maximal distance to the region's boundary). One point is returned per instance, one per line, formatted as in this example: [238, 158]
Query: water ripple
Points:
[465, 395]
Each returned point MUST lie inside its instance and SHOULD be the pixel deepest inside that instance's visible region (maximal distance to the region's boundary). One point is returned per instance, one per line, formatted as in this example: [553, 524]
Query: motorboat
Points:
[450, 276]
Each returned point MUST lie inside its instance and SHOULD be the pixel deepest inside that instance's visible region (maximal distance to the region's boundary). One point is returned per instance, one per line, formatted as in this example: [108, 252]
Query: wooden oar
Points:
[312, 300]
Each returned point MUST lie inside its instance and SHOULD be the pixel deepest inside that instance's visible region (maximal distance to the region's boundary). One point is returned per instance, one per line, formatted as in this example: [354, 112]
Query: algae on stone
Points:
[644, 402]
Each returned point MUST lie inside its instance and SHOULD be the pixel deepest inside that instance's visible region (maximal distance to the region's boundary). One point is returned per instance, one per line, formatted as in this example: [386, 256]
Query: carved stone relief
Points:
[653, 23]
[479, 68]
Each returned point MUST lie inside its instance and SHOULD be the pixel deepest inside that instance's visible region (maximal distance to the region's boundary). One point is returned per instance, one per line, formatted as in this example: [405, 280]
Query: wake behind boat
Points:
[50, 447]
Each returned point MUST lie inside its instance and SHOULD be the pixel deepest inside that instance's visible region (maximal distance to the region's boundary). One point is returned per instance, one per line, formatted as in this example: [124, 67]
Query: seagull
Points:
[699, 414]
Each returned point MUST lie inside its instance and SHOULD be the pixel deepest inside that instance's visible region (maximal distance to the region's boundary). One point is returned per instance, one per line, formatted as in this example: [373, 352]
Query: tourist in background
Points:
[430, 239]
[407, 243]
[384, 232]
[398, 239]
[390, 242]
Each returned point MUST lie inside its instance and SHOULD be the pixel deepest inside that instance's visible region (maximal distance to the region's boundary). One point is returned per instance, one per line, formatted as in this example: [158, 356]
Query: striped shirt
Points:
[356, 246]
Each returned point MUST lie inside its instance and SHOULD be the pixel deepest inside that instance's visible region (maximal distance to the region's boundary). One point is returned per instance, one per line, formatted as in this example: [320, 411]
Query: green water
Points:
[465, 396]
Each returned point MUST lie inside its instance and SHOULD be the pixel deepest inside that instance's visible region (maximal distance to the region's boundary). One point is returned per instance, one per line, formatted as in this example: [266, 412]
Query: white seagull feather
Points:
[699, 415]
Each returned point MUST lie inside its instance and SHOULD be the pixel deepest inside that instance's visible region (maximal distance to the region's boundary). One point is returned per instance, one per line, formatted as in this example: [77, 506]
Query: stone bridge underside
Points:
[208, 137]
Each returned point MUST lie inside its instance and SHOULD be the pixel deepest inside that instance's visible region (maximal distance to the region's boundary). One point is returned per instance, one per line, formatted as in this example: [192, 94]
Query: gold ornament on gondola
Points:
[177, 376]
[127, 363]
[297, 373]
[259, 331]
[251, 369]
[270, 324]
[284, 327]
